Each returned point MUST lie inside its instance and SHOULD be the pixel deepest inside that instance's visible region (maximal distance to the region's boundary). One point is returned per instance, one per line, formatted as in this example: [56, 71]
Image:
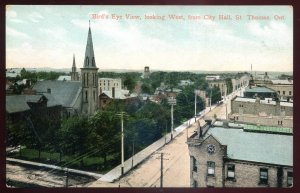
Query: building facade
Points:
[107, 84]
[228, 156]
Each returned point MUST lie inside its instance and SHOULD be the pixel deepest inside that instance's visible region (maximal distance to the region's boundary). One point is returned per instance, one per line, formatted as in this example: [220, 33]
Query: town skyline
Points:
[227, 45]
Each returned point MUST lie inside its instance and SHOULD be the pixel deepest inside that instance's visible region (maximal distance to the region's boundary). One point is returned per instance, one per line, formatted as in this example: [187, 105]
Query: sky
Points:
[48, 36]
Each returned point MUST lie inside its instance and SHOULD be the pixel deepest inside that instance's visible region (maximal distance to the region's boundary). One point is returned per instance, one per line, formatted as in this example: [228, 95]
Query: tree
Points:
[229, 85]
[129, 83]
[215, 94]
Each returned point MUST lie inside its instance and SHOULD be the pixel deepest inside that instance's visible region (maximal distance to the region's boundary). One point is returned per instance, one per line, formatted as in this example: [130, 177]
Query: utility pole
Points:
[121, 114]
[172, 122]
[67, 178]
[195, 105]
[172, 102]
[161, 169]
[210, 100]
[226, 110]
[122, 145]
[132, 152]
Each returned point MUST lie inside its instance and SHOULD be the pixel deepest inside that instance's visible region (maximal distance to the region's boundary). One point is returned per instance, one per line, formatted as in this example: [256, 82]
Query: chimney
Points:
[113, 92]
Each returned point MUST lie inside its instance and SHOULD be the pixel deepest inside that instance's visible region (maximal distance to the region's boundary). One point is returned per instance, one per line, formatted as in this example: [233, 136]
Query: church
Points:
[80, 95]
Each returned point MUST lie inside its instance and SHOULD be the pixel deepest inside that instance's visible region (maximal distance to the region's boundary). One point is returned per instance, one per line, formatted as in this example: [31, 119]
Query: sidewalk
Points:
[115, 173]
[91, 174]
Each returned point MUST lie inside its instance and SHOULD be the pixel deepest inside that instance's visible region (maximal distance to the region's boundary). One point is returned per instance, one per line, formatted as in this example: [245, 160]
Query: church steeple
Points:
[89, 79]
[74, 73]
[89, 59]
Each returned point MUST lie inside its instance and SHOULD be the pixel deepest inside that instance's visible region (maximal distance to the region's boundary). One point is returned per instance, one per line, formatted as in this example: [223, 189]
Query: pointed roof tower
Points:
[89, 59]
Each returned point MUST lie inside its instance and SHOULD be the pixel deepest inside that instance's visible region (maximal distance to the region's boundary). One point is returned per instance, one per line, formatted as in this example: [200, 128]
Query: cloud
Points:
[274, 35]
[11, 14]
[55, 32]
[35, 17]
[14, 33]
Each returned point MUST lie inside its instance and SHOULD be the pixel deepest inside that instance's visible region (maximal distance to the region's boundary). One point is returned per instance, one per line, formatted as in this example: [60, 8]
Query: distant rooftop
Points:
[253, 146]
[64, 78]
[257, 128]
[266, 101]
[282, 82]
[259, 90]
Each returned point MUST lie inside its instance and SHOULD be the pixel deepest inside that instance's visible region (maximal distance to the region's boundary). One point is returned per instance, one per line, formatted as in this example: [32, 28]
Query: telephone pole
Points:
[172, 102]
[195, 105]
[121, 114]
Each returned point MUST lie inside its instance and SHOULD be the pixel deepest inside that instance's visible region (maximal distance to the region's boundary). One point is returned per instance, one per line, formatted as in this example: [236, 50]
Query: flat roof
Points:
[259, 90]
[252, 100]
[253, 146]
[268, 129]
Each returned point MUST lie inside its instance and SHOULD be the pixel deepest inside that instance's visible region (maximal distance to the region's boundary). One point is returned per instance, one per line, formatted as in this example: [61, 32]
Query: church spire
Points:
[74, 64]
[89, 59]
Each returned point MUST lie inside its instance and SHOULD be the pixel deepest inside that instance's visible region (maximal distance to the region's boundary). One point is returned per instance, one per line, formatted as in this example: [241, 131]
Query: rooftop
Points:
[254, 146]
[259, 90]
[282, 82]
[266, 101]
[64, 92]
[18, 103]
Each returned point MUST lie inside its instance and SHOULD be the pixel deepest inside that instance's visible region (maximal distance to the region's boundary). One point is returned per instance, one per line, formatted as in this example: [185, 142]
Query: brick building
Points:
[262, 112]
[226, 155]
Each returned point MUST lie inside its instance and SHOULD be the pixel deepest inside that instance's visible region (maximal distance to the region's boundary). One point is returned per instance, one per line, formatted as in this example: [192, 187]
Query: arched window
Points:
[94, 96]
[87, 61]
[93, 61]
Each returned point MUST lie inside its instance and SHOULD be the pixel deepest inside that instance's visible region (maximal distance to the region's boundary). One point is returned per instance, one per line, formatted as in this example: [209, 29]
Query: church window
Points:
[86, 96]
[94, 96]
[87, 61]
[87, 79]
[93, 61]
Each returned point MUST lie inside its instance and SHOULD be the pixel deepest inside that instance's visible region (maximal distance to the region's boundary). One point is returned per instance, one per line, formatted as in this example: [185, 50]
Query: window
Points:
[290, 92]
[231, 171]
[86, 96]
[94, 96]
[263, 179]
[194, 164]
[278, 92]
[290, 179]
[87, 61]
[210, 168]
[283, 92]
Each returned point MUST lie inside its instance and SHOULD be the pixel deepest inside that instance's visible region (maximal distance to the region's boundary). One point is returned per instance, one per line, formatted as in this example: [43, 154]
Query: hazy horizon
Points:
[49, 35]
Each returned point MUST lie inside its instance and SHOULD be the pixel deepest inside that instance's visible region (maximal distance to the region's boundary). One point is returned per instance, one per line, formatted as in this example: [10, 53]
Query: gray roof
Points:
[64, 92]
[259, 89]
[64, 78]
[18, 103]
[257, 147]
[282, 82]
